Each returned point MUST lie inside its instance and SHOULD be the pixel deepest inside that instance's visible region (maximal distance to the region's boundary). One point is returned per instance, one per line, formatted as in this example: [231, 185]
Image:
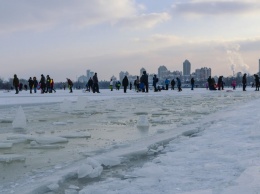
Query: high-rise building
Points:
[162, 71]
[122, 75]
[89, 74]
[202, 73]
[186, 68]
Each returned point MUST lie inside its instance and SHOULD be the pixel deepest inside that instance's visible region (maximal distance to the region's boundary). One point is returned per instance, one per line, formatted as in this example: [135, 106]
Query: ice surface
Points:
[81, 103]
[5, 145]
[169, 158]
[8, 158]
[76, 135]
[39, 139]
[143, 123]
[91, 169]
[66, 106]
[19, 121]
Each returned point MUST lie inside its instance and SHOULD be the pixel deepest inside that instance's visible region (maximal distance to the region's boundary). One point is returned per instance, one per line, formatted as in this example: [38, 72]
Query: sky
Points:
[64, 38]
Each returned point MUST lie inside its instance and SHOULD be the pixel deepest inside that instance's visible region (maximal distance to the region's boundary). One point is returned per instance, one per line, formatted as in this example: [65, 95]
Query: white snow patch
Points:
[19, 121]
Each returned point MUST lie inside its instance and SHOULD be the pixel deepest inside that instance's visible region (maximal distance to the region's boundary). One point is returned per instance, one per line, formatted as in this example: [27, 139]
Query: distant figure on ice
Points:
[30, 82]
[70, 85]
[137, 84]
[16, 84]
[256, 82]
[95, 84]
[173, 83]
[130, 85]
[234, 84]
[48, 84]
[90, 84]
[144, 80]
[179, 84]
[192, 82]
[155, 80]
[43, 85]
[25, 87]
[111, 84]
[244, 81]
[52, 86]
[207, 85]
[118, 84]
[20, 86]
[220, 83]
[35, 84]
[167, 82]
[125, 83]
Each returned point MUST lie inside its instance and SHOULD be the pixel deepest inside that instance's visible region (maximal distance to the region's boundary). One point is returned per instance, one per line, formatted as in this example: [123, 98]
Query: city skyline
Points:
[64, 38]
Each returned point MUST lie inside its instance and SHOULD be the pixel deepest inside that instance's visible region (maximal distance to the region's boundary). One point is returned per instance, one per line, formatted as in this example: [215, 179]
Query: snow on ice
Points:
[200, 141]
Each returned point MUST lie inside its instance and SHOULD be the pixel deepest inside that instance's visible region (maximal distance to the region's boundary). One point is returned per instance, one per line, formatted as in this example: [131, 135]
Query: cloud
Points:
[213, 7]
[39, 15]
[144, 20]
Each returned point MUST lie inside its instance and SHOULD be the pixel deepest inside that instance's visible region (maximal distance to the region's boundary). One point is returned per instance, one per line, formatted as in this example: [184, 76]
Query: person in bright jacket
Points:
[234, 84]
[52, 86]
[16, 84]
[125, 83]
[167, 82]
[111, 84]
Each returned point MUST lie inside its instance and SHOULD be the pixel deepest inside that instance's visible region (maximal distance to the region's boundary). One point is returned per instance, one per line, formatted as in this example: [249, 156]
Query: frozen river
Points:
[64, 129]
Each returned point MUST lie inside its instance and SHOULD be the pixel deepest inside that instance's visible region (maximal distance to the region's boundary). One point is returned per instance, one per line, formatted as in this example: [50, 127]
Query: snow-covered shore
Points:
[197, 142]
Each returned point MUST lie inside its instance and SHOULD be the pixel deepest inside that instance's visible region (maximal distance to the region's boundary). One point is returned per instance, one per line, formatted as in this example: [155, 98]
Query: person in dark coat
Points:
[90, 84]
[35, 84]
[48, 84]
[172, 84]
[16, 84]
[244, 82]
[95, 84]
[192, 82]
[144, 80]
[210, 83]
[125, 83]
[130, 85]
[155, 80]
[179, 84]
[43, 84]
[30, 81]
[256, 82]
[70, 84]
[220, 82]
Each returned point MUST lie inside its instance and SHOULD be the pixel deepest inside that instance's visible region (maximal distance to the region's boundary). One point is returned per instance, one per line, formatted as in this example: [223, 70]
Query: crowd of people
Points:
[46, 85]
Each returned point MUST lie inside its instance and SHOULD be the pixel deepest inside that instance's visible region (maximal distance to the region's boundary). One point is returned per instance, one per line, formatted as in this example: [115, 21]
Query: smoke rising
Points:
[235, 59]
